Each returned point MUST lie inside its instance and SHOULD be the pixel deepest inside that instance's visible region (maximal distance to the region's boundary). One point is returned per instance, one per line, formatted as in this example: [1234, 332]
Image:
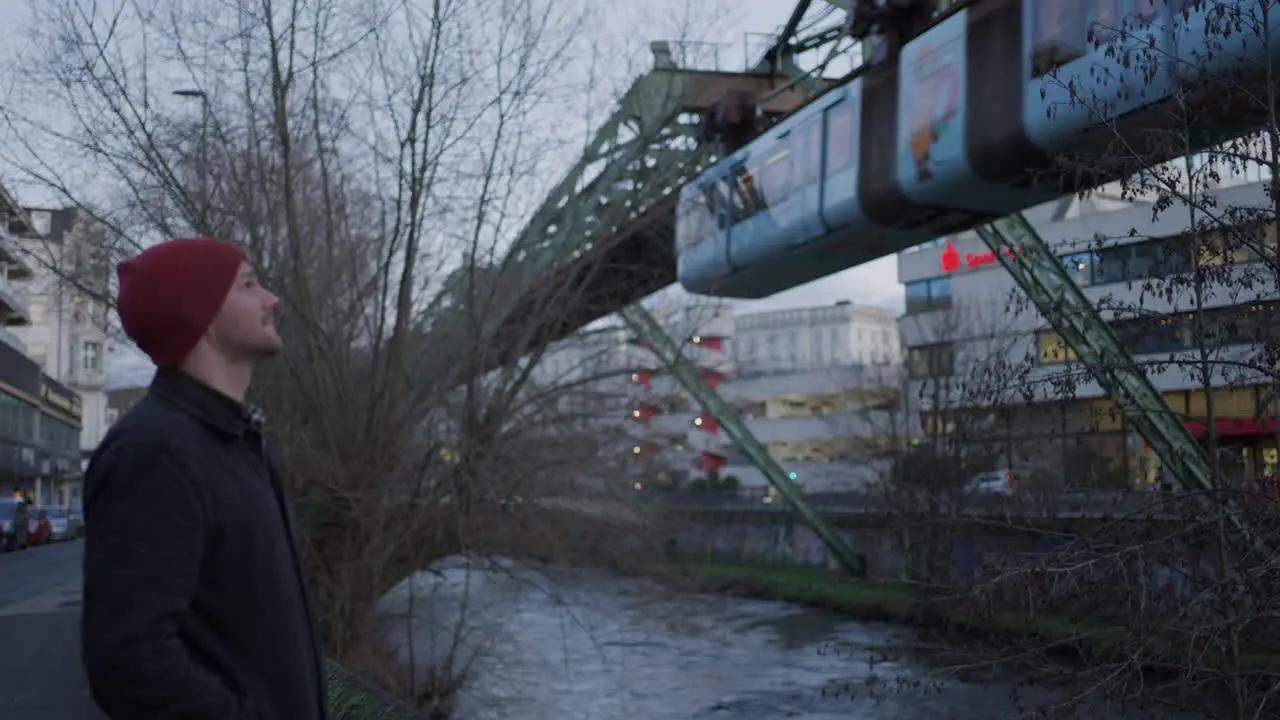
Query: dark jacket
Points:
[195, 601]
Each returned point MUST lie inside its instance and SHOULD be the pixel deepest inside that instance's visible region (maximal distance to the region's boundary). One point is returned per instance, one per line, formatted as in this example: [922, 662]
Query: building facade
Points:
[39, 417]
[67, 334]
[818, 388]
[121, 400]
[1196, 310]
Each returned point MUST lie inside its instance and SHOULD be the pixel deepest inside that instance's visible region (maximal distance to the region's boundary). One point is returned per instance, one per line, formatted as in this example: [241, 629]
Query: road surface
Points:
[40, 675]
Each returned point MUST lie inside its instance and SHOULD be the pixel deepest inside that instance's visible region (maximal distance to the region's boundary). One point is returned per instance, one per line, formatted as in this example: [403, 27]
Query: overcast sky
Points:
[874, 283]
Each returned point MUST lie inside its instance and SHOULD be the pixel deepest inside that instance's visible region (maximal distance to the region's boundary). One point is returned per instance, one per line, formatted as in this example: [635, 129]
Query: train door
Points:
[775, 195]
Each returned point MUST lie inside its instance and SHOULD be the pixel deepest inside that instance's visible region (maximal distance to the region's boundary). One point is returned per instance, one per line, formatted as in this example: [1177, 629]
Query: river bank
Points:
[574, 643]
[1072, 639]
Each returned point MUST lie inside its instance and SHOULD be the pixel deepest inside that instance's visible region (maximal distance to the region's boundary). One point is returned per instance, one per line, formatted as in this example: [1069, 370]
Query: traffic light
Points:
[792, 475]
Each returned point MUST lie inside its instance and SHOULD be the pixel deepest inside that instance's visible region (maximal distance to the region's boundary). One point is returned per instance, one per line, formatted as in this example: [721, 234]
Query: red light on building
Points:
[642, 378]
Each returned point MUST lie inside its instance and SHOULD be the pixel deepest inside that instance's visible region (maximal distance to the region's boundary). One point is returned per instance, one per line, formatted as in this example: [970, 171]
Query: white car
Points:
[996, 482]
[59, 522]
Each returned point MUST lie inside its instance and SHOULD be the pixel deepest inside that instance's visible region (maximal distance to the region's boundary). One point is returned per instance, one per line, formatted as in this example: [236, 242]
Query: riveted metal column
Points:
[643, 324]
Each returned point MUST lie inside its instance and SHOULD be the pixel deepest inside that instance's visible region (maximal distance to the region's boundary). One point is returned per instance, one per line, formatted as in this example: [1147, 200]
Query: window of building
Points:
[928, 361]
[1130, 263]
[1111, 264]
[1080, 267]
[91, 360]
[926, 295]
[1246, 243]
[1220, 327]
[1052, 349]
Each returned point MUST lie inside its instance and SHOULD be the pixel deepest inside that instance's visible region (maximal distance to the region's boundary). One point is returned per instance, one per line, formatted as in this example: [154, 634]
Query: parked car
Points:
[39, 529]
[60, 522]
[75, 520]
[996, 482]
[13, 524]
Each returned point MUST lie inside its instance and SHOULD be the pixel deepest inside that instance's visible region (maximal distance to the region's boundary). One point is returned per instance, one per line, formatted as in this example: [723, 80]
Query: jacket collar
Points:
[206, 404]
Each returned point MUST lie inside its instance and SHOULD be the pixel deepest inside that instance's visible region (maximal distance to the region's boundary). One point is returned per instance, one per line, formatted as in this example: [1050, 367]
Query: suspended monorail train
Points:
[968, 123]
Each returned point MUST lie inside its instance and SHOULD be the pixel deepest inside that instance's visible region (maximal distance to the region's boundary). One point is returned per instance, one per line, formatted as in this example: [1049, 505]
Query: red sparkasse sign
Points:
[950, 258]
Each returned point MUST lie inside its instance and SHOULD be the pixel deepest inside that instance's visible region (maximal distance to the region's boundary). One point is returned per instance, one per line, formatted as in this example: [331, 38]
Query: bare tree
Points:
[375, 160]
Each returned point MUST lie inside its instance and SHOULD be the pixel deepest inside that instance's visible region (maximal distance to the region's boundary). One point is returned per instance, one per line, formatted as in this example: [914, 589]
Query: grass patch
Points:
[1069, 638]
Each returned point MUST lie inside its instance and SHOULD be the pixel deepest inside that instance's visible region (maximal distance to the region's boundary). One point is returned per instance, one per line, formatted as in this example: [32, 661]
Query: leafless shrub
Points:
[376, 160]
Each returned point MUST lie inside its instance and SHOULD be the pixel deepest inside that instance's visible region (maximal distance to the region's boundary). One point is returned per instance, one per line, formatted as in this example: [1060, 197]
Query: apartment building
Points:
[817, 386]
[40, 418]
[988, 371]
[67, 334]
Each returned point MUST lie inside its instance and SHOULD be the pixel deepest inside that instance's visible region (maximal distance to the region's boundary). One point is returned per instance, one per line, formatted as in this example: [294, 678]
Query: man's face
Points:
[244, 328]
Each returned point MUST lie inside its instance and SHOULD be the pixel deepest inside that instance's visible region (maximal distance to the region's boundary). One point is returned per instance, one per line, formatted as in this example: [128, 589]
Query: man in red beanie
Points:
[196, 605]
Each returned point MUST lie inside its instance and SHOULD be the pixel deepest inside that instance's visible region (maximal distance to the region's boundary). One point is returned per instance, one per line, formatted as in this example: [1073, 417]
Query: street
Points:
[28, 574]
[40, 674]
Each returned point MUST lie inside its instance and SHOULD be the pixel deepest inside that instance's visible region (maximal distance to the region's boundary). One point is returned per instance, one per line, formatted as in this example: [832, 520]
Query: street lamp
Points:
[203, 151]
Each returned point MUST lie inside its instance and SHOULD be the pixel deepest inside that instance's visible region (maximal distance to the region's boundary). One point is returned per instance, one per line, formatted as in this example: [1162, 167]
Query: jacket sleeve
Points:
[145, 542]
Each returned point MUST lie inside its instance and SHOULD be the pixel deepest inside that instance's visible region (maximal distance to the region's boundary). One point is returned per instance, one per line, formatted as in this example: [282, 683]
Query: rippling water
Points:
[569, 644]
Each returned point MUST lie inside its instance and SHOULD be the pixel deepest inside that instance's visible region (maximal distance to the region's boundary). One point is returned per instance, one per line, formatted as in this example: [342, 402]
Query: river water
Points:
[573, 644]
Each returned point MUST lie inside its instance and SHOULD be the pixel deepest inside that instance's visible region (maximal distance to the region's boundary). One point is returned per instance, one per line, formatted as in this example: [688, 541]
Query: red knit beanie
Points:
[170, 294]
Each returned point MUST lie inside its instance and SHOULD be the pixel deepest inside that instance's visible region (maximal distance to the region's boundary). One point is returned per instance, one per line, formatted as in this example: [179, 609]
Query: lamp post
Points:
[202, 153]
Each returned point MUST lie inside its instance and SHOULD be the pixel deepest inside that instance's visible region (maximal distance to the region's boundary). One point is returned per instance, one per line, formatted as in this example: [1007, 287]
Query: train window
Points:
[746, 198]
[840, 140]
[775, 177]
[808, 147]
[693, 222]
[1146, 10]
[1060, 35]
[720, 206]
[1106, 22]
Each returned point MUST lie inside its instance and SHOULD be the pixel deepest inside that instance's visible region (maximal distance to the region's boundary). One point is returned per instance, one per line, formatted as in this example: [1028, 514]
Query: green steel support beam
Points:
[643, 324]
[1045, 280]
[629, 177]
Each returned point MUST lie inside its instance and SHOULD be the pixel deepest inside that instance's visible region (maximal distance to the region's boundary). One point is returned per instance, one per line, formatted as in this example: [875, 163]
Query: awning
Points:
[1229, 428]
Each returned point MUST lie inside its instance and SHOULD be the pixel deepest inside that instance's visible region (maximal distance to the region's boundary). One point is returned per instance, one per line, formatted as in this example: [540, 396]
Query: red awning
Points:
[711, 462]
[1227, 428]
[712, 377]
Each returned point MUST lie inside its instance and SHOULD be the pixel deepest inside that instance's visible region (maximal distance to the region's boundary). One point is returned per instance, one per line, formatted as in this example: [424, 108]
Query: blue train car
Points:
[970, 122]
